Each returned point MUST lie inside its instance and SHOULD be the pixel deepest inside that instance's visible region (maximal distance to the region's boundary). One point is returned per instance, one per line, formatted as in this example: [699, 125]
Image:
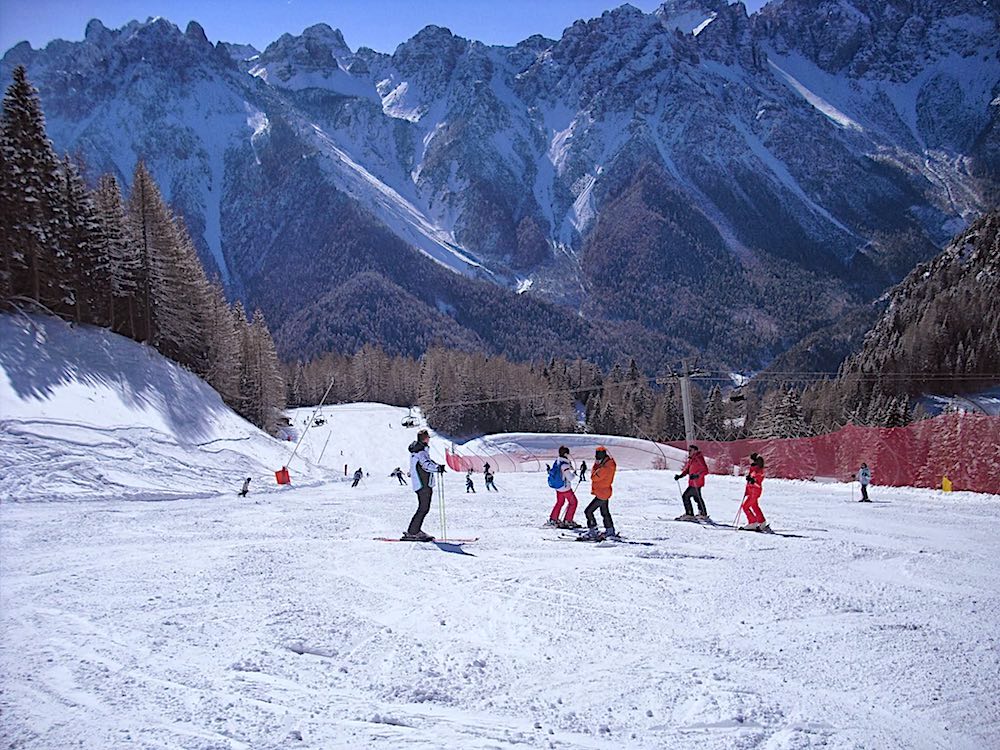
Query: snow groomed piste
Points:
[276, 620]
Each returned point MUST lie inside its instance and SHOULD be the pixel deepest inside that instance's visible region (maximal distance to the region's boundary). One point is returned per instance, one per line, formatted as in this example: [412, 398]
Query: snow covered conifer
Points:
[266, 368]
[152, 233]
[223, 346]
[30, 205]
[84, 270]
[713, 422]
[115, 246]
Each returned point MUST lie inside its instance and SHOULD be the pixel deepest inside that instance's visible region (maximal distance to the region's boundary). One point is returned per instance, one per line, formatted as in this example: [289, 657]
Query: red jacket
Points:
[755, 481]
[696, 469]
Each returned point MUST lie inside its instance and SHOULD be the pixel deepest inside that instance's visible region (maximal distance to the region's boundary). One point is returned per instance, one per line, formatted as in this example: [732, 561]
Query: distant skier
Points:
[486, 468]
[358, 475]
[561, 480]
[583, 471]
[246, 487]
[398, 473]
[601, 477]
[489, 481]
[469, 486]
[422, 471]
[695, 469]
[864, 479]
[750, 506]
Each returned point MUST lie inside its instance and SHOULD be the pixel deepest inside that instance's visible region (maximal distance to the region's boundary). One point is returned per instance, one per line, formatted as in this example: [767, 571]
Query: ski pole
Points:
[444, 530]
[737, 519]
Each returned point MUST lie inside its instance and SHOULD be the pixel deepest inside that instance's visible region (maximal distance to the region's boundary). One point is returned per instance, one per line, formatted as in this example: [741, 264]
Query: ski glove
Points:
[440, 469]
[751, 480]
[677, 477]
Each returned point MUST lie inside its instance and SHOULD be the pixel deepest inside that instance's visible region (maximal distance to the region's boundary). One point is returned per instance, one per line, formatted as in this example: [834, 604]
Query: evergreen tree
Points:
[788, 421]
[765, 424]
[223, 347]
[31, 209]
[249, 382]
[86, 268]
[713, 421]
[268, 372]
[152, 234]
[115, 247]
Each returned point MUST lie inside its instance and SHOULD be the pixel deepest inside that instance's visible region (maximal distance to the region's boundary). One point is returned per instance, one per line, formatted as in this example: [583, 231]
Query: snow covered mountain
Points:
[695, 173]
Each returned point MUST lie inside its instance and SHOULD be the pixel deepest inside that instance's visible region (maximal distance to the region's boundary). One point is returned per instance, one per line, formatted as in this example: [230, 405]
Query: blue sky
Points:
[380, 24]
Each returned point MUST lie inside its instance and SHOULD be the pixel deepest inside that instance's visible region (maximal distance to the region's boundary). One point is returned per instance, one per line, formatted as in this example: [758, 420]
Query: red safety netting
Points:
[963, 447]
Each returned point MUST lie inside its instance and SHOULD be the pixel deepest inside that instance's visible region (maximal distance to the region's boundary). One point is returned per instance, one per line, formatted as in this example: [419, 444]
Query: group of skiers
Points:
[696, 468]
[470, 485]
[562, 475]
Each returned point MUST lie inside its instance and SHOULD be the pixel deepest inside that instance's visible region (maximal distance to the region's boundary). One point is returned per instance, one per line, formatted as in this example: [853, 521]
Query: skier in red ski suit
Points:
[755, 482]
[695, 469]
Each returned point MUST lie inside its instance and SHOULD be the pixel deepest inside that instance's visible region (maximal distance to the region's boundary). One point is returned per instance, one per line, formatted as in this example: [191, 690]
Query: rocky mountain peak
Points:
[871, 38]
[689, 16]
[97, 33]
[195, 33]
[318, 45]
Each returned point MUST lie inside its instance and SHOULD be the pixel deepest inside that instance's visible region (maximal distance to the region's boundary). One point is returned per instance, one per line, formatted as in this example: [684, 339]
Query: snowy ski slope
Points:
[275, 621]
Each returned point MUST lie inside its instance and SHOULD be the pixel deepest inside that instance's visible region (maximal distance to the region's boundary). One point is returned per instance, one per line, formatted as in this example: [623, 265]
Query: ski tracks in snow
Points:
[223, 623]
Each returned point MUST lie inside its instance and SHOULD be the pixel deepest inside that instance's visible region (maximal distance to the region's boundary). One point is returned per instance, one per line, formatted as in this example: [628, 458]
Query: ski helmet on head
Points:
[563, 451]
[693, 448]
[601, 453]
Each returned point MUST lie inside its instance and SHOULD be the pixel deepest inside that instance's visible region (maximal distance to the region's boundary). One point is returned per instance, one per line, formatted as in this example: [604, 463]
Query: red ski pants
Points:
[567, 497]
[750, 506]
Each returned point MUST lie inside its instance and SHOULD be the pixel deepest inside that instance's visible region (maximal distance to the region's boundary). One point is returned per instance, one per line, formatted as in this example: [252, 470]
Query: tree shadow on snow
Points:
[48, 353]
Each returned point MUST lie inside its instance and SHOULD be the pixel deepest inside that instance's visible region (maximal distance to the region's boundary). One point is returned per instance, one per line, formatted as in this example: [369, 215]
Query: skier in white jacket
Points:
[422, 471]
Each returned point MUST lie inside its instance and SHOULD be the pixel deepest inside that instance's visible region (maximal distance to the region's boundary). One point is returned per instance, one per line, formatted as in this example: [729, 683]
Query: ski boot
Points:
[420, 536]
[685, 517]
[554, 523]
[591, 535]
[611, 535]
[568, 525]
[703, 518]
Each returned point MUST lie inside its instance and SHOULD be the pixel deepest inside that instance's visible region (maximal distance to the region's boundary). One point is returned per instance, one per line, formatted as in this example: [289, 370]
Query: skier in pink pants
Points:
[561, 480]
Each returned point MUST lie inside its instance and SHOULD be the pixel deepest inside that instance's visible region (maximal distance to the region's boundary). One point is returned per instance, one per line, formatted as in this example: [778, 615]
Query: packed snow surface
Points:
[276, 621]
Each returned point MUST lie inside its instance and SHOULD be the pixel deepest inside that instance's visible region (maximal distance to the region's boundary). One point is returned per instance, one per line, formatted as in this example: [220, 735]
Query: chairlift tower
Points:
[686, 404]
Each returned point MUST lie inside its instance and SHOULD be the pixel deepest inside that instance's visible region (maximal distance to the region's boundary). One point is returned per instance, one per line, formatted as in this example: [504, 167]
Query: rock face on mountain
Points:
[944, 317]
[707, 178]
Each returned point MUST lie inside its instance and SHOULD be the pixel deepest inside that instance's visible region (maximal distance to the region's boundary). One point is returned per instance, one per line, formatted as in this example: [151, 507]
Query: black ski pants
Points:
[594, 505]
[423, 508]
[693, 492]
[864, 493]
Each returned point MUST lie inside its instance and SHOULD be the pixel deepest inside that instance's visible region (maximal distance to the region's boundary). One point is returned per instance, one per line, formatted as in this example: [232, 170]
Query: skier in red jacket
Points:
[695, 469]
[755, 482]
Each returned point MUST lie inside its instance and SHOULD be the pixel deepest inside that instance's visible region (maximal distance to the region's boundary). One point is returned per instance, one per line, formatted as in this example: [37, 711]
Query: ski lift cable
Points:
[914, 377]
[311, 420]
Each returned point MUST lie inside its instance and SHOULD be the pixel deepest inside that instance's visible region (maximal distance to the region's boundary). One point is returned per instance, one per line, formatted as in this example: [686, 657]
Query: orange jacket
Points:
[601, 476]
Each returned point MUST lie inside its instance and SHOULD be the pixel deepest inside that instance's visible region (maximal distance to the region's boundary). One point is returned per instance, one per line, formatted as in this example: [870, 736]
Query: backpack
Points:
[555, 475]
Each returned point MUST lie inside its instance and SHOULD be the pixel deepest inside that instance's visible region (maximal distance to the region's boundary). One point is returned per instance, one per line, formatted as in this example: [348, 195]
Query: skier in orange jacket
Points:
[602, 474]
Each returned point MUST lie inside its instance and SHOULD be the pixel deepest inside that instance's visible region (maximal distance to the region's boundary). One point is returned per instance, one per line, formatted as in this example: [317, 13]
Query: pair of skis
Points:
[455, 546]
[580, 535]
[710, 524]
